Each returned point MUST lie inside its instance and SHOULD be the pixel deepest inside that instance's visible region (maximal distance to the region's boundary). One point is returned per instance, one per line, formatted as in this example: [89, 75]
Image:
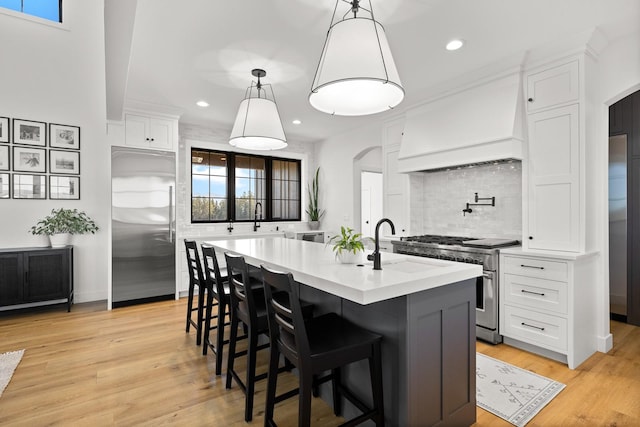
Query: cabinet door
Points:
[47, 275]
[136, 130]
[553, 87]
[11, 279]
[396, 191]
[554, 197]
[160, 132]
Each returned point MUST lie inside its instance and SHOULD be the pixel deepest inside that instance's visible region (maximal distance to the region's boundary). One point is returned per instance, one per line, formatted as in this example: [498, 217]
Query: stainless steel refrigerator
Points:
[143, 225]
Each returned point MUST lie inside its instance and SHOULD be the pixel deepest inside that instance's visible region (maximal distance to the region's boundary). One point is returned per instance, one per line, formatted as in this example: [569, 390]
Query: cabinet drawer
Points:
[552, 87]
[536, 293]
[535, 328]
[535, 267]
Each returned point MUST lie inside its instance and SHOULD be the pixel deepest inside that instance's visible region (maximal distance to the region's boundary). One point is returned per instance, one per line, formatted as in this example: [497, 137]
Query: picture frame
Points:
[63, 136]
[28, 132]
[4, 158]
[64, 187]
[4, 129]
[28, 186]
[5, 185]
[27, 159]
[64, 162]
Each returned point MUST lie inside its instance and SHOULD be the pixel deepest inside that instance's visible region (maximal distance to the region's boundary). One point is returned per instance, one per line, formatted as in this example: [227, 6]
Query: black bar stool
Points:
[314, 346]
[247, 306]
[218, 296]
[195, 280]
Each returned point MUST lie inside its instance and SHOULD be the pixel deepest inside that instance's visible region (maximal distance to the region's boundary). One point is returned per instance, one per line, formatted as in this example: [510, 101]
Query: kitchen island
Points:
[424, 309]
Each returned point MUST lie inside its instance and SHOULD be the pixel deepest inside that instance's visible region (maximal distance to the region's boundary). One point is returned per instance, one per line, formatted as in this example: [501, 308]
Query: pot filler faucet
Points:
[256, 225]
[375, 256]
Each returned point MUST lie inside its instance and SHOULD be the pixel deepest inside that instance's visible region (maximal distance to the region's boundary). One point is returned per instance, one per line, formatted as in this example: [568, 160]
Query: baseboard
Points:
[559, 357]
[604, 344]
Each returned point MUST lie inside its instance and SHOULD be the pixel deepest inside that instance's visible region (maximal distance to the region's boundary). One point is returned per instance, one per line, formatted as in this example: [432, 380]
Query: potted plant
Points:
[62, 223]
[347, 244]
[314, 212]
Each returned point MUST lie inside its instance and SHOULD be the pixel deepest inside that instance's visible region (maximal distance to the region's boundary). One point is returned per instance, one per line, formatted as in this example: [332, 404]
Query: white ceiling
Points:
[186, 50]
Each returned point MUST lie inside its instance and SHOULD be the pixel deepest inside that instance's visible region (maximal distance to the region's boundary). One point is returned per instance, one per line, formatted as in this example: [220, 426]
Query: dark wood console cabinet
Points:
[31, 277]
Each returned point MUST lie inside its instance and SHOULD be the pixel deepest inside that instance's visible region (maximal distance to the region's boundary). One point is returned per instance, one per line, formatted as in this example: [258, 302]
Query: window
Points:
[46, 9]
[228, 186]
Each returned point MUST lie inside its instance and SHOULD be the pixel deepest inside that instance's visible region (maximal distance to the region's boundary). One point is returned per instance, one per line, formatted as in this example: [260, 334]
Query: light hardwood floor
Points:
[137, 366]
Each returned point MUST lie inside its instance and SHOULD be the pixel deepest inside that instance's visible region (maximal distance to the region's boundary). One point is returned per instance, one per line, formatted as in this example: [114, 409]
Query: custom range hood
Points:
[477, 125]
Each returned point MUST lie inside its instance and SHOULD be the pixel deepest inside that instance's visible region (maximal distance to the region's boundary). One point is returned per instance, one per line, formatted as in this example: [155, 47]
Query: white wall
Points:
[617, 75]
[336, 156]
[57, 75]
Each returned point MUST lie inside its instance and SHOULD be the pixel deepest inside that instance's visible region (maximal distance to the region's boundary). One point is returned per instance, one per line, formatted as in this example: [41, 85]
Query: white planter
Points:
[348, 257]
[314, 225]
[60, 240]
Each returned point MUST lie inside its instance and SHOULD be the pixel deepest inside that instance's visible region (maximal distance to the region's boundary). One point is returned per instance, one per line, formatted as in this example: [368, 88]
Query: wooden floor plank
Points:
[136, 366]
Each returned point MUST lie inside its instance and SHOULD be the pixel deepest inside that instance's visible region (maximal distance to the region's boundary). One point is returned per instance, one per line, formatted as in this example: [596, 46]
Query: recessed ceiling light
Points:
[296, 122]
[455, 44]
[202, 104]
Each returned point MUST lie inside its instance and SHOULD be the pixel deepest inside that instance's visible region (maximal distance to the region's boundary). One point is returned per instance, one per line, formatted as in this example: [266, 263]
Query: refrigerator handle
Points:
[171, 214]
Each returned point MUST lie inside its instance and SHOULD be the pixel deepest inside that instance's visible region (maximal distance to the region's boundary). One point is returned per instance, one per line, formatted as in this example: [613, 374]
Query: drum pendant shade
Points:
[356, 75]
[258, 125]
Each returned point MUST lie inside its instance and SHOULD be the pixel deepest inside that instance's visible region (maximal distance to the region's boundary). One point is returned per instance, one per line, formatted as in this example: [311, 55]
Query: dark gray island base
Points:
[428, 353]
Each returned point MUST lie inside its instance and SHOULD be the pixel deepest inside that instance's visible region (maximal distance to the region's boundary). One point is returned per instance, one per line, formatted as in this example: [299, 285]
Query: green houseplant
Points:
[62, 223]
[314, 212]
[347, 244]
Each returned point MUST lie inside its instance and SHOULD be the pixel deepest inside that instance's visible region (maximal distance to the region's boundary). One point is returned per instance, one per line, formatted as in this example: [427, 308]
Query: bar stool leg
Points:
[207, 323]
[220, 335]
[233, 334]
[375, 369]
[251, 374]
[304, 403]
[336, 383]
[189, 306]
[201, 293]
[272, 381]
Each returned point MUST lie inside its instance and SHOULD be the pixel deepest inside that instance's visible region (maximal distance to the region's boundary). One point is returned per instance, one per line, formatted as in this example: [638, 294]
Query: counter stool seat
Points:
[314, 346]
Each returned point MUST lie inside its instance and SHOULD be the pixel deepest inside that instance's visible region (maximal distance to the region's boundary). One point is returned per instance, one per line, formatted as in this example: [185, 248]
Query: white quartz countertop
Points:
[315, 265]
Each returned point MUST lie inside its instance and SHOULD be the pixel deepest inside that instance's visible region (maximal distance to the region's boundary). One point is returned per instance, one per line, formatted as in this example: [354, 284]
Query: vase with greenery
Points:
[347, 244]
[62, 223]
[314, 212]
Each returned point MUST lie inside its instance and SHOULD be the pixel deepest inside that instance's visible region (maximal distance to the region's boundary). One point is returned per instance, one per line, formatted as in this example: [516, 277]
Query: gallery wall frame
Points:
[27, 159]
[5, 162]
[64, 136]
[28, 186]
[5, 185]
[64, 162]
[4, 129]
[64, 187]
[29, 132]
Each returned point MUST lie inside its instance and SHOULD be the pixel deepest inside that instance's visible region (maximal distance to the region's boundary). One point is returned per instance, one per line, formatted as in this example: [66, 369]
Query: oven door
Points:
[487, 300]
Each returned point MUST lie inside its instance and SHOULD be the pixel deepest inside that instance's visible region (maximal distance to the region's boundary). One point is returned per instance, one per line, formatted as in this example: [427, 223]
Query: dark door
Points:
[46, 279]
[624, 119]
[11, 279]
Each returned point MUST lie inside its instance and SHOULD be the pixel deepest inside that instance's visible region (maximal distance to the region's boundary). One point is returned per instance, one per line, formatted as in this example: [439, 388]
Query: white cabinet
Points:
[554, 179]
[553, 168]
[546, 305]
[395, 204]
[553, 87]
[149, 132]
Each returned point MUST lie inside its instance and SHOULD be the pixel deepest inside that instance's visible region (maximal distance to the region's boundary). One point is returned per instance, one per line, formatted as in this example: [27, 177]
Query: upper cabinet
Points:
[554, 168]
[553, 87]
[144, 130]
[148, 132]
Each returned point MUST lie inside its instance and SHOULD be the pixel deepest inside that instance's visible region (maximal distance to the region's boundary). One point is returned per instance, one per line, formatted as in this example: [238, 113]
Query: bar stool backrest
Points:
[286, 322]
[212, 270]
[241, 300]
[193, 263]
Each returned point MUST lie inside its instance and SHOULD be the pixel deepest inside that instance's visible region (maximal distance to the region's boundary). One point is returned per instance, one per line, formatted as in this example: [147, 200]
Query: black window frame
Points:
[267, 208]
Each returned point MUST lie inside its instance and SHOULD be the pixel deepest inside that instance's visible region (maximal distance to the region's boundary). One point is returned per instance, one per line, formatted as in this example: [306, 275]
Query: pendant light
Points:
[356, 74]
[258, 125]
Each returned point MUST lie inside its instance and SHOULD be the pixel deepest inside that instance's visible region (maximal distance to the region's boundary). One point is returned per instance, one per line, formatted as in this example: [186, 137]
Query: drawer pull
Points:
[532, 326]
[531, 266]
[531, 292]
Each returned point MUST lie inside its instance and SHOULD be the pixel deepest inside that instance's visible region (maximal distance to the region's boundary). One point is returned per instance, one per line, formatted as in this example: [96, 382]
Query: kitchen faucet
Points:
[255, 216]
[375, 256]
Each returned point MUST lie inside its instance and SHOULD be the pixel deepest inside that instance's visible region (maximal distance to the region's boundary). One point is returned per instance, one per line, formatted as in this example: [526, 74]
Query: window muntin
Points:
[47, 9]
[227, 186]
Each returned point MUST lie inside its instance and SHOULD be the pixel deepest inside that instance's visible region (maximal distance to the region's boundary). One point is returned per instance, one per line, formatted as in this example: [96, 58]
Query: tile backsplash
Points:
[438, 198]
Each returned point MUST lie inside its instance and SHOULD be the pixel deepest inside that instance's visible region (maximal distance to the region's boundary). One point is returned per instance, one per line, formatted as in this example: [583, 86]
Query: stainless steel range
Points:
[470, 250]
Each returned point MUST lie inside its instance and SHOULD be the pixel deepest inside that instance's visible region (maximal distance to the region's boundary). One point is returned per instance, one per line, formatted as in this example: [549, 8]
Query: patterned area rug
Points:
[511, 393]
[8, 363]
